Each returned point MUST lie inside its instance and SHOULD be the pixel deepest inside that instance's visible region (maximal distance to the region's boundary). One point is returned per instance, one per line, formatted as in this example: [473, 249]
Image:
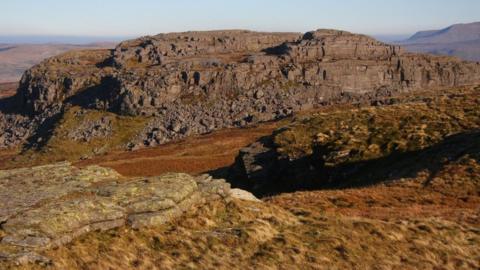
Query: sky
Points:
[122, 18]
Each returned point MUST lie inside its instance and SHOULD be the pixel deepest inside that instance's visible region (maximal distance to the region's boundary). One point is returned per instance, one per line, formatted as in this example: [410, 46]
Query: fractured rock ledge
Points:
[49, 206]
[198, 82]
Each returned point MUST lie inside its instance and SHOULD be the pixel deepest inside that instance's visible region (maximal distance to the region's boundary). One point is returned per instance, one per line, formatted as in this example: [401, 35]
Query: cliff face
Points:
[196, 82]
[141, 75]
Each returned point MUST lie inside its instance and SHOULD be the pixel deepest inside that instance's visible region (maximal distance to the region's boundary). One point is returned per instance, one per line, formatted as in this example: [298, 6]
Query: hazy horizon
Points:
[84, 40]
[89, 21]
[59, 39]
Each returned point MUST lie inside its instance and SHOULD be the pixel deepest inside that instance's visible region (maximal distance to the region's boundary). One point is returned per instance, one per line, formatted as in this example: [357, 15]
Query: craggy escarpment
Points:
[367, 145]
[196, 82]
[49, 206]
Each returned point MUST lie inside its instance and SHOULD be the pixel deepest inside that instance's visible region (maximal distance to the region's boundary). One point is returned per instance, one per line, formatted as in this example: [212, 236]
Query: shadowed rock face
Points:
[197, 82]
[48, 206]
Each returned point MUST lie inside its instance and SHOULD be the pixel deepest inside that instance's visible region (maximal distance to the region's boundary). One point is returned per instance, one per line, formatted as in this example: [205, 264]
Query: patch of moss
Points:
[289, 85]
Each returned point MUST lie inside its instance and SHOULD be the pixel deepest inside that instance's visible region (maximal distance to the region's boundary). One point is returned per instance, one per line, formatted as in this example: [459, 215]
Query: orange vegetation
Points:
[194, 155]
[8, 89]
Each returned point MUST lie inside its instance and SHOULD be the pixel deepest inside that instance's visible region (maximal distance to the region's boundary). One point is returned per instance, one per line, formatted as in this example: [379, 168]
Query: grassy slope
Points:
[60, 147]
[373, 132]
[374, 228]
[373, 144]
[193, 155]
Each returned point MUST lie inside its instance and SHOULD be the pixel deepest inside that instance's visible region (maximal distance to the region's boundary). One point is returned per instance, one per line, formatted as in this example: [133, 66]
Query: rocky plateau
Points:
[197, 82]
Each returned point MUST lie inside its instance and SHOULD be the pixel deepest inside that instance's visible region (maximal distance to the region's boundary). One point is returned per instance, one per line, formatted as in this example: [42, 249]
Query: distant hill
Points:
[451, 34]
[16, 58]
[461, 40]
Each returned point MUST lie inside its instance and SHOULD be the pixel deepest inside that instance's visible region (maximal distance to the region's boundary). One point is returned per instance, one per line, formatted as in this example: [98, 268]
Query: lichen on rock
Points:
[49, 206]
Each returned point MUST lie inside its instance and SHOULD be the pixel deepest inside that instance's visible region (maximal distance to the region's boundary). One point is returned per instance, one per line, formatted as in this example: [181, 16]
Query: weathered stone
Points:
[48, 206]
[89, 130]
[243, 195]
[180, 64]
[197, 82]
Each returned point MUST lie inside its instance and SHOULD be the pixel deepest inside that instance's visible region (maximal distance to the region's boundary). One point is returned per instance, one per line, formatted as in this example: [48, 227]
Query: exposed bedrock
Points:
[48, 206]
[195, 82]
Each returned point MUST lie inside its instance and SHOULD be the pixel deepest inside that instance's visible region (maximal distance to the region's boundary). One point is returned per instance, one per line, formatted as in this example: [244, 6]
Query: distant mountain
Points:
[16, 58]
[451, 34]
[461, 40]
[393, 38]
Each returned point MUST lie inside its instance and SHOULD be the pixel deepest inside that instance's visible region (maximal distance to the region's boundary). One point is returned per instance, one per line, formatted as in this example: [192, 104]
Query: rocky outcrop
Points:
[14, 129]
[196, 82]
[168, 48]
[56, 79]
[91, 129]
[48, 206]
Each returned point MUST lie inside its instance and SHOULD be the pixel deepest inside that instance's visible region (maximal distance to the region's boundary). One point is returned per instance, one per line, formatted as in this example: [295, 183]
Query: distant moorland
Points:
[16, 58]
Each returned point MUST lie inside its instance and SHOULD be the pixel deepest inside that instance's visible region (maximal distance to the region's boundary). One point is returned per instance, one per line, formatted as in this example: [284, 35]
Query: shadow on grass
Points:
[10, 105]
[309, 173]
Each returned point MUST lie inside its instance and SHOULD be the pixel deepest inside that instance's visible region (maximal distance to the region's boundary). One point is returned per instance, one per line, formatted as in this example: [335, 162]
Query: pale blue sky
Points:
[141, 17]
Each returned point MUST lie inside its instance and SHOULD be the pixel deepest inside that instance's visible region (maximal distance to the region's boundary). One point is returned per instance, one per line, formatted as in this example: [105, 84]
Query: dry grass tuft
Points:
[371, 132]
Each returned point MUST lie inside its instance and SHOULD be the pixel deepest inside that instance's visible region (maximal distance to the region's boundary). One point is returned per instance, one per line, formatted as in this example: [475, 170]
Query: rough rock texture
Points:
[89, 129]
[196, 82]
[58, 78]
[16, 129]
[48, 206]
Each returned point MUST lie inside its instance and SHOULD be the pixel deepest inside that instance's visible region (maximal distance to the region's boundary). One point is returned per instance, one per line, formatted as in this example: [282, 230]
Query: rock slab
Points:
[48, 206]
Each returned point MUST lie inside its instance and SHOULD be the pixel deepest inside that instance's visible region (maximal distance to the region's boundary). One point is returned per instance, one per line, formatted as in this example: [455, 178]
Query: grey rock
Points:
[197, 82]
[89, 130]
[243, 195]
